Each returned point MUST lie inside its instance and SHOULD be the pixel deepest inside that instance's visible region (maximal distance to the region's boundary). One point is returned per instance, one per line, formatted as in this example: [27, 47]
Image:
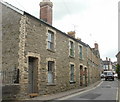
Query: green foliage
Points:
[117, 68]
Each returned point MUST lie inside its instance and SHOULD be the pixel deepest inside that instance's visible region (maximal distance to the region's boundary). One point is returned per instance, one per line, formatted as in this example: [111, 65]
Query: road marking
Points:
[66, 97]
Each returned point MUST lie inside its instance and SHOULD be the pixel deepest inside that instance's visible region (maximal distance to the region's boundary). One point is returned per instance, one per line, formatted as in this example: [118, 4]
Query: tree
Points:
[118, 70]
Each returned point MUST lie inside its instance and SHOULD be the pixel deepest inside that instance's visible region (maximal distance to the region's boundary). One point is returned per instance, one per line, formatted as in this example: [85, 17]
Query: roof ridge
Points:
[12, 7]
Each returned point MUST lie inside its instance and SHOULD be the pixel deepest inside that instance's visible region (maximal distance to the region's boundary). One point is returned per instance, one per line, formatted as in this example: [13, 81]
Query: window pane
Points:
[80, 52]
[50, 77]
[50, 71]
[49, 45]
[71, 48]
[51, 40]
[71, 44]
[49, 37]
[50, 65]
[72, 73]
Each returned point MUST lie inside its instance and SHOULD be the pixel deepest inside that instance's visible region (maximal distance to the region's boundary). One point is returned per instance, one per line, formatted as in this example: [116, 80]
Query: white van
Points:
[109, 75]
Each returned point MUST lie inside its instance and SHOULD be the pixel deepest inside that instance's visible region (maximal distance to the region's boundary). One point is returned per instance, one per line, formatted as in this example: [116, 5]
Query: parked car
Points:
[109, 75]
[102, 75]
[115, 75]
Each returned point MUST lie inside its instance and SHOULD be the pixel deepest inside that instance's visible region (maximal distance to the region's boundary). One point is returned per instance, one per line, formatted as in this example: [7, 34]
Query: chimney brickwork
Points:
[46, 11]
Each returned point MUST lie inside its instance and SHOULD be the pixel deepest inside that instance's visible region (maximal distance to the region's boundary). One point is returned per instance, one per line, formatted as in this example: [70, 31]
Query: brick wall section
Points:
[46, 11]
[46, 14]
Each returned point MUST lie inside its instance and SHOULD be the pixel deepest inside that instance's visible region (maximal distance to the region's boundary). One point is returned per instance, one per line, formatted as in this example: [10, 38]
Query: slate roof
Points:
[40, 20]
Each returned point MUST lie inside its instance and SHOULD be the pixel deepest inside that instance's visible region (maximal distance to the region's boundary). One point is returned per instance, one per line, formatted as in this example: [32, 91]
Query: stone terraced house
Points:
[39, 58]
[118, 57]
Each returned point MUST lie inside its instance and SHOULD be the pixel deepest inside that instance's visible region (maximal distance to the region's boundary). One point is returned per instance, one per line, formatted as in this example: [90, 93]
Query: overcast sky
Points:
[93, 20]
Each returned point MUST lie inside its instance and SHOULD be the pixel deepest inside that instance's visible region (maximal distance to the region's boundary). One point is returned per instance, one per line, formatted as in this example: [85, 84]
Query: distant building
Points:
[39, 58]
[101, 66]
[107, 64]
[114, 64]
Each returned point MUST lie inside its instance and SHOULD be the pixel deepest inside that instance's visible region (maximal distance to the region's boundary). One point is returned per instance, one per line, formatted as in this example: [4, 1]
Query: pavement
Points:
[63, 94]
[118, 90]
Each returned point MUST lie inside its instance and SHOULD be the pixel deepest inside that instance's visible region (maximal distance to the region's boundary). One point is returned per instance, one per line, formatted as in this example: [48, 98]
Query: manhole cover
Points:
[90, 96]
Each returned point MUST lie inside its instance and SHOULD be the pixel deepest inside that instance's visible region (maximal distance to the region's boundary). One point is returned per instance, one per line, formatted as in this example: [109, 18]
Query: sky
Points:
[94, 21]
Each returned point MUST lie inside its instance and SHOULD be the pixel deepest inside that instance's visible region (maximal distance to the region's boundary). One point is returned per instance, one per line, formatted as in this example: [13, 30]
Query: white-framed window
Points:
[106, 67]
[51, 72]
[71, 49]
[72, 73]
[50, 40]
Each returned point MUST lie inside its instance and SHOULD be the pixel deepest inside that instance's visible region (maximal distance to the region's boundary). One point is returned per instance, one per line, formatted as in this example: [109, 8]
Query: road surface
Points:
[106, 91]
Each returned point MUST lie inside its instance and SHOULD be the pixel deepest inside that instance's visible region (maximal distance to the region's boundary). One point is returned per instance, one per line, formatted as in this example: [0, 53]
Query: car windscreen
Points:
[109, 73]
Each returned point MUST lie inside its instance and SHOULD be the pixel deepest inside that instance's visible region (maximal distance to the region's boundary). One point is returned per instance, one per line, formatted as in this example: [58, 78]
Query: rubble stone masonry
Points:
[25, 37]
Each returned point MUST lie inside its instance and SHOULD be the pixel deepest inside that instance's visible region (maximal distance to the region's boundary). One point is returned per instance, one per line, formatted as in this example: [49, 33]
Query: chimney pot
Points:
[71, 33]
[106, 59]
[78, 38]
[96, 46]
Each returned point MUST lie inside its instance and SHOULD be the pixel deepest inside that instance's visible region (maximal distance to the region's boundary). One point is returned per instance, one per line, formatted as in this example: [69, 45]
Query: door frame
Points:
[34, 55]
[33, 74]
[81, 74]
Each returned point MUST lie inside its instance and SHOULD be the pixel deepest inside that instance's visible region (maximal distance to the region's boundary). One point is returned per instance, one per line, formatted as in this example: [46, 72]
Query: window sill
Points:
[51, 50]
[71, 56]
[72, 82]
[51, 84]
[81, 59]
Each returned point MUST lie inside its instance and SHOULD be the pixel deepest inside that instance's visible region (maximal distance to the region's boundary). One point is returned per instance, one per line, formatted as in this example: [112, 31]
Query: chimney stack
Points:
[96, 46]
[106, 58]
[78, 38]
[71, 33]
[46, 11]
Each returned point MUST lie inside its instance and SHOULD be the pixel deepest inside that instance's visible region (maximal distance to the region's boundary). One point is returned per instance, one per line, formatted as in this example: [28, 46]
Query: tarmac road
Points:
[106, 91]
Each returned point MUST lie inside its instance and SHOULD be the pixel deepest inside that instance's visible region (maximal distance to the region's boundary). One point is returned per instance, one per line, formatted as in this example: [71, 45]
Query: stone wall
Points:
[25, 36]
[118, 58]
[35, 42]
[10, 41]
[10, 92]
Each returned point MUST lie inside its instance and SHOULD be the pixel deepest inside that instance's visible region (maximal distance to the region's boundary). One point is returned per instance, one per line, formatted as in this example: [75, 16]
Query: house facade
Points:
[39, 58]
[107, 65]
[118, 64]
[118, 58]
